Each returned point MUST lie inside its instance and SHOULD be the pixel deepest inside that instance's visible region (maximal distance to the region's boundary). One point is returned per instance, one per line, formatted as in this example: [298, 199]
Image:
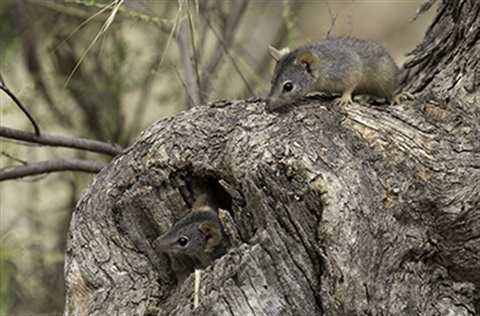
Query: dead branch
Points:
[61, 141]
[36, 168]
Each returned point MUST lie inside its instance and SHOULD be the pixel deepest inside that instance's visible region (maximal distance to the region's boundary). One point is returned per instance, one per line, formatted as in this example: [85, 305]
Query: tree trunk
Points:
[358, 210]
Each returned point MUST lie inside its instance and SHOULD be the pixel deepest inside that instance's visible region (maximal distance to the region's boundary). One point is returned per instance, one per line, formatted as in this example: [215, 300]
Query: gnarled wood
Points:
[353, 210]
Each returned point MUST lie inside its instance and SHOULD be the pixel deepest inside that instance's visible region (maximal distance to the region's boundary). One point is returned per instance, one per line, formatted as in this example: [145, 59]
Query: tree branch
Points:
[4, 87]
[36, 168]
[52, 140]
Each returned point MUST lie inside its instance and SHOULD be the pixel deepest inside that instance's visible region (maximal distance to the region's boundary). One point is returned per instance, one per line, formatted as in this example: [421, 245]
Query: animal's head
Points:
[196, 234]
[294, 76]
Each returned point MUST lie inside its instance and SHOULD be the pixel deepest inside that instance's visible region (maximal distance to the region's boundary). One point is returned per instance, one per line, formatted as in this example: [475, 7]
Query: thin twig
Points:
[224, 37]
[116, 4]
[14, 158]
[61, 141]
[333, 20]
[145, 95]
[194, 52]
[4, 87]
[184, 85]
[196, 293]
[36, 168]
[186, 53]
[172, 32]
[224, 41]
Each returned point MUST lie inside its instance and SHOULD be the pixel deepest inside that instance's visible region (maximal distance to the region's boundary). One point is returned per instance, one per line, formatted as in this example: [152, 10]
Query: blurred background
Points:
[108, 70]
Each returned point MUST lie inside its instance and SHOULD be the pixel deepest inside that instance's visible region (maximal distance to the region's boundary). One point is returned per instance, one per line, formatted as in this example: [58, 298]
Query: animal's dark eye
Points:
[287, 86]
[182, 241]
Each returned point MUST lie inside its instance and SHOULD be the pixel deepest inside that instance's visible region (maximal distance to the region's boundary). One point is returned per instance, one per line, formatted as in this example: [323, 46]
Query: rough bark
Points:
[358, 210]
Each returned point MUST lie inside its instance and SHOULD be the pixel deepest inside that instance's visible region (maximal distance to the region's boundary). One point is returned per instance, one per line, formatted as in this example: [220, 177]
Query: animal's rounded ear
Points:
[212, 233]
[278, 54]
[309, 60]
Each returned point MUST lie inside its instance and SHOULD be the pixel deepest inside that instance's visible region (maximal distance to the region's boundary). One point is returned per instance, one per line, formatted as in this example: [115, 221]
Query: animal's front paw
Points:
[401, 97]
[345, 99]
